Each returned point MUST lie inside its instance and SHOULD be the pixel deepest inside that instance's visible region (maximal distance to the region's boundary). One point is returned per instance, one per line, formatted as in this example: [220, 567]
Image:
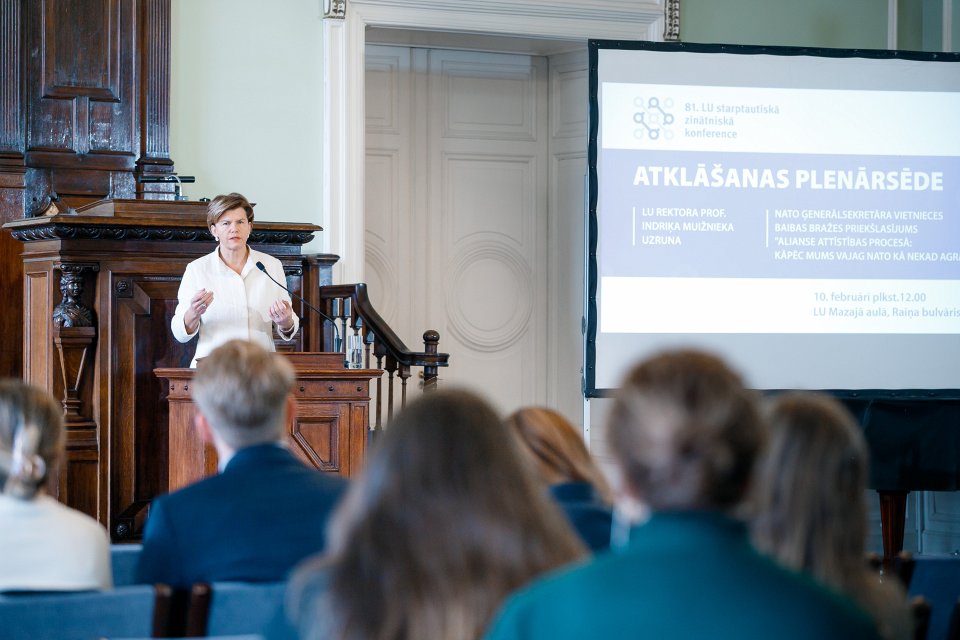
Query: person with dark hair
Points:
[809, 506]
[44, 545]
[223, 296]
[266, 510]
[564, 464]
[685, 434]
[444, 521]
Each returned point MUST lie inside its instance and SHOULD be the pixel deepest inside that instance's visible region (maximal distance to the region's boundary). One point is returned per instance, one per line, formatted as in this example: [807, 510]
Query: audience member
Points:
[563, 463]
[44, 545]
[810, 506]
[685, 433]
[445, 520]
[266, 510]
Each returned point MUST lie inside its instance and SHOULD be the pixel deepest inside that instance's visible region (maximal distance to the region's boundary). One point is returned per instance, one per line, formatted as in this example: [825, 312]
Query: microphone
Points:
[336, 330]
[169, 177]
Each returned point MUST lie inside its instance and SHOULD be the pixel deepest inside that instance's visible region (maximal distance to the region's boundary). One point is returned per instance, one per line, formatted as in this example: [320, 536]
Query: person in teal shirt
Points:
[685, 434]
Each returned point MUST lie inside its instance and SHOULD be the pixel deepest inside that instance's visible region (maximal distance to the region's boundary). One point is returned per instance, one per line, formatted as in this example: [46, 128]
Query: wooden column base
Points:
[893, 514]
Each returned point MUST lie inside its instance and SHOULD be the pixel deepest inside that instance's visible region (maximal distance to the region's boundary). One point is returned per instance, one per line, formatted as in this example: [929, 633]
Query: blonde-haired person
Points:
[444, 521]
[44, 545]
[809, 504]
[224, 295]
[564, 464]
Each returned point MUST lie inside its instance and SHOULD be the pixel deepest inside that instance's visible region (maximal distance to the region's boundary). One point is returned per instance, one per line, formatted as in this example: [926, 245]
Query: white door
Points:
[458, 208]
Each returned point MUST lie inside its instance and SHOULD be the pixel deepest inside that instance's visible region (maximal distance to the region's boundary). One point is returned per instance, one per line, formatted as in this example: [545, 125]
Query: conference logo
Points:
[653, 118]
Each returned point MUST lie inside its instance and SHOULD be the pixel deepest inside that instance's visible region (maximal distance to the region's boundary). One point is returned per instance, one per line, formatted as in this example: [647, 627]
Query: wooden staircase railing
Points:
[349, 306]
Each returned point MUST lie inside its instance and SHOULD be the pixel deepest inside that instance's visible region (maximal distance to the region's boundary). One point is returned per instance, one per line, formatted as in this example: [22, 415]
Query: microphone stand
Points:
[337, 342]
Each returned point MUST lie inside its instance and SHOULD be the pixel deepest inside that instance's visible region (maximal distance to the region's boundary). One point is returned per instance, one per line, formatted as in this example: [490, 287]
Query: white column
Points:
[343, 145]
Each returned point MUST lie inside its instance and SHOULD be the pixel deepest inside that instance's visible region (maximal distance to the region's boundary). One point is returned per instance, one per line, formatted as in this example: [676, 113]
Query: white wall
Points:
[245, 104]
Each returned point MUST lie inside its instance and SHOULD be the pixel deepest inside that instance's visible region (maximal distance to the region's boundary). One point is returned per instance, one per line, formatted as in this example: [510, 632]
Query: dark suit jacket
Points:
[253, 522]
[591, 519]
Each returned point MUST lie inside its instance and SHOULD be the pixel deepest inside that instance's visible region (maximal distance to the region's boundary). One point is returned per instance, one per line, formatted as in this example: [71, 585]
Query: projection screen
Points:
[796, 211]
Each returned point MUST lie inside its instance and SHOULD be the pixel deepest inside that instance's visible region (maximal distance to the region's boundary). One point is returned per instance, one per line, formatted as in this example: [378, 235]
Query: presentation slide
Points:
[799, 214]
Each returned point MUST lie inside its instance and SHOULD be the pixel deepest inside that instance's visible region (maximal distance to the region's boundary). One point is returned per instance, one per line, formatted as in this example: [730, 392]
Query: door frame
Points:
[344, 41]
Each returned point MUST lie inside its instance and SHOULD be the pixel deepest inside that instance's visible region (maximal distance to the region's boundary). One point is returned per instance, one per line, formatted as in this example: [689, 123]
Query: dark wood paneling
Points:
[81, 84]
[12, 170]
[11, 321]
[11, 105]
[82, 469]
[319, 273]
[315, 435]
[143, 305]
[330, 427]
[154, 142]
[83, 60]
[84, 108]
[38, 303]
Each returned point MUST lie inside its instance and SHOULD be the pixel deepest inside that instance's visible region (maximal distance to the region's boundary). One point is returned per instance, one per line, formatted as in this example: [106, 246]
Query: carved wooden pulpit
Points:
[328, 429]
[99, 291]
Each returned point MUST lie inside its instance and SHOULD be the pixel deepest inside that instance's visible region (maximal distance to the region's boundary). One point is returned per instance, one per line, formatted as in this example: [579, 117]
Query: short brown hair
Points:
[686, 432]
[223, 203]
[241, 389]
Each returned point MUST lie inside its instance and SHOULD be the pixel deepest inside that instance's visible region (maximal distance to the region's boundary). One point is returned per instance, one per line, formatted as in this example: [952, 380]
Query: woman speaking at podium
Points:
[223, 295]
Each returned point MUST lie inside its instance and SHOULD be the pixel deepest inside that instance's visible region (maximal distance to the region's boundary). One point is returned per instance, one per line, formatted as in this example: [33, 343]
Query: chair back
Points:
[123, 561]
[920, 612]
[953, 630]
[903, 566]
[234, 608]
[938, 580]
[127, 611]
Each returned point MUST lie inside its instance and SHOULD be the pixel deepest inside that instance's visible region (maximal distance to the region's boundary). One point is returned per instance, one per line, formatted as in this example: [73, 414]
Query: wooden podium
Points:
[328, 430]
[121, 261]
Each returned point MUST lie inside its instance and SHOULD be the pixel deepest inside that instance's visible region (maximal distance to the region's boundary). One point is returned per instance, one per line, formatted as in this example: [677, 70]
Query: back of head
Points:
[31, 437]
[686, 432]
[558, 450]
[809, 505]
[241, 389]
[445, 520]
